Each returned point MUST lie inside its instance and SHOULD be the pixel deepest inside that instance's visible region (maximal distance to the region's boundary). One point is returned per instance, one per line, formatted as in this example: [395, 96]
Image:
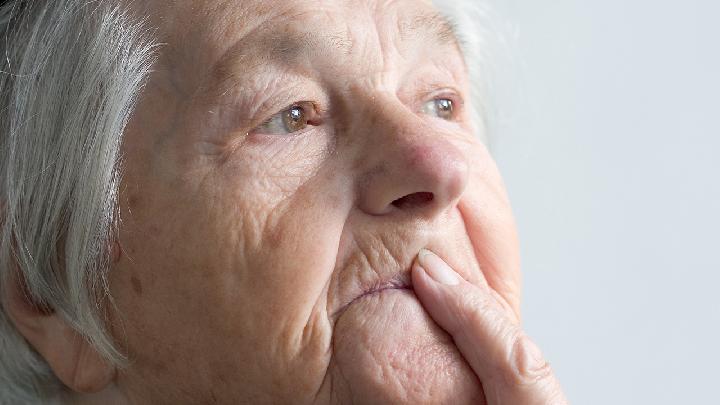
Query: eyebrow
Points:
[439, 27]
[285, 48]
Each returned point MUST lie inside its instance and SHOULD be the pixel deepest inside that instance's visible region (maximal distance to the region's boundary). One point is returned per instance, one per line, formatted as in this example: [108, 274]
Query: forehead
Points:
[232, 18]
[211, 35]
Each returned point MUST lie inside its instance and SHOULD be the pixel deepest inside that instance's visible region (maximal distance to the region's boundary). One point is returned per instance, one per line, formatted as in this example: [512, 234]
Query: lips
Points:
[400, 281]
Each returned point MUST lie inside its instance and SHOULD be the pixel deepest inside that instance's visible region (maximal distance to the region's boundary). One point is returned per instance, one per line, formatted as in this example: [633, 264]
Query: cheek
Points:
[292, 208]
[232, 273]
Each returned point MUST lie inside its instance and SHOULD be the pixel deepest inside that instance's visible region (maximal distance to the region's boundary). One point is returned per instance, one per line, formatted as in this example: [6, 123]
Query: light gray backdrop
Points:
[612, 159]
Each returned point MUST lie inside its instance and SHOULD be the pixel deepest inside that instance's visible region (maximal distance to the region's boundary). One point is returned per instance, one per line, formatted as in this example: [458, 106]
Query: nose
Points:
[410, 165]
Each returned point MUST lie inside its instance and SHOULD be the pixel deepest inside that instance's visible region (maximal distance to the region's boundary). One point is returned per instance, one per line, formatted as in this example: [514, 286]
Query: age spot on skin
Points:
[136, 285]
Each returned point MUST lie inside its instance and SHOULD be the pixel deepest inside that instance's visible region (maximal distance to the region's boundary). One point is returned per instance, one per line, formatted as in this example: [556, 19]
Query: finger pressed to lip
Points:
[510, 366]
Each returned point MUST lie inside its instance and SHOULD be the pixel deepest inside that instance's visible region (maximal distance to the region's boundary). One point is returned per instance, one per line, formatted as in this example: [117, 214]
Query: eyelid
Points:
[446, 92]
[311, 108]
[450, 94]
[254, 106]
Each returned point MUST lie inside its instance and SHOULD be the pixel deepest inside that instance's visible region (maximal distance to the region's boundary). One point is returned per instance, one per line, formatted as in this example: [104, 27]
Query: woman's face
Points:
[287, 162]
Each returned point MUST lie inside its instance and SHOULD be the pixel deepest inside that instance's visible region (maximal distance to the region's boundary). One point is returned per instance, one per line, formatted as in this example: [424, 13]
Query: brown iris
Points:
[295, 118]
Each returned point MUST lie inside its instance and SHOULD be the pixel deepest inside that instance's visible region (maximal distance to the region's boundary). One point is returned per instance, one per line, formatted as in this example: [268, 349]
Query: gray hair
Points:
[71, 73]
[70, 76]
[487, 41]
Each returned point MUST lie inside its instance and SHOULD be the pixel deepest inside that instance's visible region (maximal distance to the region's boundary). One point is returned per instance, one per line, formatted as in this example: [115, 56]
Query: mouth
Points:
[401, 282]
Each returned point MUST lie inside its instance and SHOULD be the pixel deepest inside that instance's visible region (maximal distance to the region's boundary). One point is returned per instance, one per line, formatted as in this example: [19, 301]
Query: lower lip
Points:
[371, 293]
[379, 290]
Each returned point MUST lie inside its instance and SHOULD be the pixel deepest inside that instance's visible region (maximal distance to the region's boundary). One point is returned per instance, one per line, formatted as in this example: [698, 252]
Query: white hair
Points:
[70, 76]
[487, 42]
[71, 73]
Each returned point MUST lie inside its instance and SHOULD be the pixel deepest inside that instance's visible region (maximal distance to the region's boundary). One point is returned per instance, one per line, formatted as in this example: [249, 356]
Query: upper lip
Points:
[397, 281]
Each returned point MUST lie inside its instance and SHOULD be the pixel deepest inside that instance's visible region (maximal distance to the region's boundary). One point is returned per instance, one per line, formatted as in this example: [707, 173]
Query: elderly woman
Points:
[252, 202]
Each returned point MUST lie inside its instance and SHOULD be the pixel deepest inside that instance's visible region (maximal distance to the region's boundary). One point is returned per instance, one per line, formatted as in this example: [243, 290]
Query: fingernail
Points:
[437, 268]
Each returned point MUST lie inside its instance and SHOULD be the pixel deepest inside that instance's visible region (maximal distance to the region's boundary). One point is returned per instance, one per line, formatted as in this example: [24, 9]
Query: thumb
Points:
[510, 366]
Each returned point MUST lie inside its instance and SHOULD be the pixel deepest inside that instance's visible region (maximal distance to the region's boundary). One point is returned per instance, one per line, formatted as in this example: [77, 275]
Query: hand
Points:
[485, 328]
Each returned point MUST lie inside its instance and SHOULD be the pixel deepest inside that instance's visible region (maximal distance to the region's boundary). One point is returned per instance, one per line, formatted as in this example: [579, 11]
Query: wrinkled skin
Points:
[254, 267]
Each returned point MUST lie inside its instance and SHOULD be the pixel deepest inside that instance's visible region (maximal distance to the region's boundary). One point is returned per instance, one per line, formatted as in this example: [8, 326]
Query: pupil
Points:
[445, 105]
[296, 114]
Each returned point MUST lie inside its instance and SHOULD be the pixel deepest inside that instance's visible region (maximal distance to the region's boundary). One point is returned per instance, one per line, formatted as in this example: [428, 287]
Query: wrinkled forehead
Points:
[203, 37]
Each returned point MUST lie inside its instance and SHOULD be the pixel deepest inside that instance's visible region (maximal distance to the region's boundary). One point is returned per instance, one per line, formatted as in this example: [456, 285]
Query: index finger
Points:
[511, 368]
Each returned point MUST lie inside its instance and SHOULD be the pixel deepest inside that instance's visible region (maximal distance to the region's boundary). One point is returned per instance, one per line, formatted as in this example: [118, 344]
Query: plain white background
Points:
[611, 158]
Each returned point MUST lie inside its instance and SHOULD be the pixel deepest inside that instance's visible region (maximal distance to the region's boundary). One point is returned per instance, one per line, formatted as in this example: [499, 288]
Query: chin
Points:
[386, 349]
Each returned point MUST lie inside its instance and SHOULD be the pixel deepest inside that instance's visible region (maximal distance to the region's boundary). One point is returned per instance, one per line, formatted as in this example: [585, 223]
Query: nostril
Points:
[413, 200]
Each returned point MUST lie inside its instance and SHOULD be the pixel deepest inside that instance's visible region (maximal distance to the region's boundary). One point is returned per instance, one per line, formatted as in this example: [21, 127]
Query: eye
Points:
[293, 119]
[440, 107]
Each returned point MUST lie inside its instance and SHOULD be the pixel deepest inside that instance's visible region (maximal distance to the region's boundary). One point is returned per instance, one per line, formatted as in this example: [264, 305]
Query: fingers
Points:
[511, 368]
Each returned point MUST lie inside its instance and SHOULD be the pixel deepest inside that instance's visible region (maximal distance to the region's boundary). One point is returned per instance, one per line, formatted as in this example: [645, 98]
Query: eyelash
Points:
[287, 116]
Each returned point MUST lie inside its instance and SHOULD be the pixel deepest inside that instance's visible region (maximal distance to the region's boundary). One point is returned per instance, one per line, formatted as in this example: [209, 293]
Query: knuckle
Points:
[526, 366]
[474, 309]
[476, 299]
